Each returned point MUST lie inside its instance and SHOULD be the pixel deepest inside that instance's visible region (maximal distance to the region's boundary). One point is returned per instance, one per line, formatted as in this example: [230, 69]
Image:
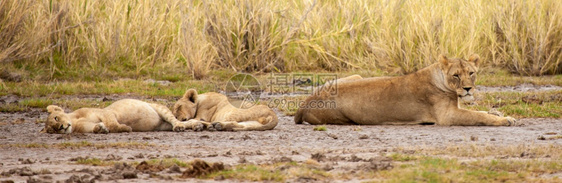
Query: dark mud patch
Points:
[200, 168]
[149, 168]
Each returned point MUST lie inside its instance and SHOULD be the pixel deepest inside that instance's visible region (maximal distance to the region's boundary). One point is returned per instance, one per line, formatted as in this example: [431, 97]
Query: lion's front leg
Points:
[463, 117]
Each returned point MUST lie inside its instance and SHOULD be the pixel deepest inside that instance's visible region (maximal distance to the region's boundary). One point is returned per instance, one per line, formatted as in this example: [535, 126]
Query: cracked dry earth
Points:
[340, 149]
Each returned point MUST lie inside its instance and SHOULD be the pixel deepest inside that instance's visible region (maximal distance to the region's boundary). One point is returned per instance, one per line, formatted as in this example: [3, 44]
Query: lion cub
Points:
[214, 111]
[124, 115]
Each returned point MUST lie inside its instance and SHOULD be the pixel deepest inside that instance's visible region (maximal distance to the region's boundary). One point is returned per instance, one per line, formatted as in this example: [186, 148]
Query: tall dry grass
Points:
[279, 36]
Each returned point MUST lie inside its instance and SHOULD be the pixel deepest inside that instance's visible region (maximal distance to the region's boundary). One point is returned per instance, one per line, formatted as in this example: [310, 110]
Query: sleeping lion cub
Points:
[430, 95]
[124, 115]
[214, 111]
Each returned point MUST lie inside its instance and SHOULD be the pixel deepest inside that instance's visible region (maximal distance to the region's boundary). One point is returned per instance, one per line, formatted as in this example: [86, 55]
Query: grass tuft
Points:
[320, 128]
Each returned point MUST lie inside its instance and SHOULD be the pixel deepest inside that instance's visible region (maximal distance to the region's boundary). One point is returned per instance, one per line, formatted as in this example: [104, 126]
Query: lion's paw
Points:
[100, 128]
[127, 129]
[179, 128]
[513, 122]
[495, 112]
[218, 126]
[198, 127]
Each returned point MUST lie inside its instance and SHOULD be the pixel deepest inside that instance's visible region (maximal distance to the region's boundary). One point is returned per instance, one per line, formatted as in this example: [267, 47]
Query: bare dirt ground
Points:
[339, 149]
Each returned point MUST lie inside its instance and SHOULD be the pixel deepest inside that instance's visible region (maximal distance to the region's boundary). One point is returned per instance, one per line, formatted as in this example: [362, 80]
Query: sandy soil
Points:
[339, 149]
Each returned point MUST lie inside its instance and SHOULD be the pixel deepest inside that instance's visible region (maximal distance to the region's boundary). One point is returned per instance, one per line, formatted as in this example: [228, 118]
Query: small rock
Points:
[105, 99]
[363, 136]
[282, 159]
[242, 160]
[26, 171]
[318, 157]
[140, 155]
[333, 136]
[76, 178]
[26, 161]
[130, 175]
[354, 158]
[34, 179]
[492, 139]
[541, 137]
[174, 169]
[380, 163]
[219, 178]
[327, 167]
[204, 137]
[112, 157]
[473, 138]
[227, 153]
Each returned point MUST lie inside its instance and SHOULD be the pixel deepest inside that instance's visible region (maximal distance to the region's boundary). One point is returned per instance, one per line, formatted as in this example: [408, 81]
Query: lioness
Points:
[429, 95]
[124, 115]
[215, 112]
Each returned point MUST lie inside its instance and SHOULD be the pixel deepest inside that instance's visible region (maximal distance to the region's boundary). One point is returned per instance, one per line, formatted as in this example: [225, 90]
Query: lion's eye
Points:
[456, 76]
[471, 73]
[56, 118]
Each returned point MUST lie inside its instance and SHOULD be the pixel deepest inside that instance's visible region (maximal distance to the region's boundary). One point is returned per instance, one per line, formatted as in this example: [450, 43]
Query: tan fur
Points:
[429, 95]
[124, 115]
[214, 110]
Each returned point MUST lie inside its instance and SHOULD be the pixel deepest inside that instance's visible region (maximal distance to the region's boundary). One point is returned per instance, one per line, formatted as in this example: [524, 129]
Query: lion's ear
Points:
[444, 61]
[191, 95]
[475, 59]
[53, 108]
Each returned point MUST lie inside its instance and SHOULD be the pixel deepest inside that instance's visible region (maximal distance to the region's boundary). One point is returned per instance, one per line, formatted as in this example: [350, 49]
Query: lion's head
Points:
[460, 74]
[186, 106]
[58, 121]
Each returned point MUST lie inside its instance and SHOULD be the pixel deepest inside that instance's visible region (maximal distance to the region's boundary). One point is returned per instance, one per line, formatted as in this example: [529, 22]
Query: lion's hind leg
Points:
[85, 125]
[100, 128]
[113, 126]
[118, 128]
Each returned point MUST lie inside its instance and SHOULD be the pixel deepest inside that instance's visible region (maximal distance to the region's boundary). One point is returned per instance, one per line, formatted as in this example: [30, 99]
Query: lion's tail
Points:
[165, 114]
[298, 116]
[268, 123]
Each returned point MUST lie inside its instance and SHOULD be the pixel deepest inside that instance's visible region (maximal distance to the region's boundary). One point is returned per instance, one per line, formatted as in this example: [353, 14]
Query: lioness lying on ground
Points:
[215, 112]
[124, 115]
[429, 95]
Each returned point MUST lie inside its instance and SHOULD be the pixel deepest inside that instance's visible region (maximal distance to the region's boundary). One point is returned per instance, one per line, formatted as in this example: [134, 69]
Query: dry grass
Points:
[58, 38]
